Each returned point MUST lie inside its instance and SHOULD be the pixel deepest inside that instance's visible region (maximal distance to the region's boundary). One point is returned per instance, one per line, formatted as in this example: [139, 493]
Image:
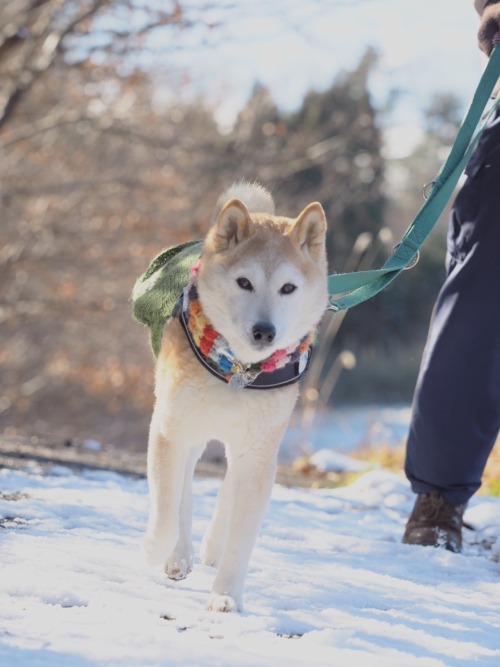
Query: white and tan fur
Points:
[193, 407]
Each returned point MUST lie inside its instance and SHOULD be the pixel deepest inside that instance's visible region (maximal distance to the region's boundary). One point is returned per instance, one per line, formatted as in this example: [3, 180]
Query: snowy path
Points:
[329, 582]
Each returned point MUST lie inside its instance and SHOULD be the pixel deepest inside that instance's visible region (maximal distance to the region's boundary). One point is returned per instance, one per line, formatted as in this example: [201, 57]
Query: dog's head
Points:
[263, 278]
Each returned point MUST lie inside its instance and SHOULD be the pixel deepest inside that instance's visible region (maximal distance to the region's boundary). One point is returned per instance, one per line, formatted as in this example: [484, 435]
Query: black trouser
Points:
[456, 407]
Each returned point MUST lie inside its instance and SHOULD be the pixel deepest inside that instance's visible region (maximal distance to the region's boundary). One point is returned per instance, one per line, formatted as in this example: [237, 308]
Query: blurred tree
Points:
[338, 134]
[35, 34]
[443, 117]
[93, 185]
[31, 37]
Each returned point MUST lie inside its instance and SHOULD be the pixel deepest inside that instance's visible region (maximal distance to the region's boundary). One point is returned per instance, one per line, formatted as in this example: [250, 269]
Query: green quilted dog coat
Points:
[157, 291]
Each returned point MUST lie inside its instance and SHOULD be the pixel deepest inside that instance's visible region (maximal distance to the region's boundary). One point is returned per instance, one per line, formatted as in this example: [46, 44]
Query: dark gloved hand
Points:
[489, 29]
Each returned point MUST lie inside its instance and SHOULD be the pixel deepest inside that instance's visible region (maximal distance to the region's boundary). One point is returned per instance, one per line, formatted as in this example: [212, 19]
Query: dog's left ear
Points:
[233, 225]
[309, 229]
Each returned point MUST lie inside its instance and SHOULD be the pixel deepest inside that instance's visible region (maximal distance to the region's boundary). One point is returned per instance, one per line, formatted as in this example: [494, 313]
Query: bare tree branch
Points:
[35, 34]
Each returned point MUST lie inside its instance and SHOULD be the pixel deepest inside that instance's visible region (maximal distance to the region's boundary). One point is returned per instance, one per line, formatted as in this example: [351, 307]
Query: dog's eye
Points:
[244, 283]
[288, 288]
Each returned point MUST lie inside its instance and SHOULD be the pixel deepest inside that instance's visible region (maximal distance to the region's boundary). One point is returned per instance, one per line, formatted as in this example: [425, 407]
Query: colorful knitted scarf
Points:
[214, 349]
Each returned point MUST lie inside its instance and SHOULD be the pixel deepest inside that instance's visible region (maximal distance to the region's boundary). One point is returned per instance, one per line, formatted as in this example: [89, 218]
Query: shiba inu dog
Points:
[230, 357]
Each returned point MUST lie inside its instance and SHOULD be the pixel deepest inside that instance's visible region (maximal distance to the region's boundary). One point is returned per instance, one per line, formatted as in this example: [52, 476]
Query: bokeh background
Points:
[121, 121]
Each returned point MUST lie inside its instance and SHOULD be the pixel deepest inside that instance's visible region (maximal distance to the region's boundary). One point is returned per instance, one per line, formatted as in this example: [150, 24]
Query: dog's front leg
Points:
[250, 479]
[167, 463]
[180, 563]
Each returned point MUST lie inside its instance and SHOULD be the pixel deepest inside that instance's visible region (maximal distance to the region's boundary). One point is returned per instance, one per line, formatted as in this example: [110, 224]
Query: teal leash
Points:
[354, 288]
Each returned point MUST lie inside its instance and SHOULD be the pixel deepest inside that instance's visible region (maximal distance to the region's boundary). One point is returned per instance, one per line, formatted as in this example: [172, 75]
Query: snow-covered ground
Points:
[329, 581]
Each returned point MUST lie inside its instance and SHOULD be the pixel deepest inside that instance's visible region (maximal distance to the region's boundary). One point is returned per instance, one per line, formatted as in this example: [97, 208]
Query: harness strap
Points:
[354, 288]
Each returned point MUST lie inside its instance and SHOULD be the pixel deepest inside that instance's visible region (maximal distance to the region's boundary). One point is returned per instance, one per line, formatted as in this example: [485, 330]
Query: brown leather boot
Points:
[435, 523]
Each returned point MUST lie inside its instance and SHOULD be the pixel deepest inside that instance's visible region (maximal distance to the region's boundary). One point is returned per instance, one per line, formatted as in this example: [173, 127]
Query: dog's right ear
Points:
[233, 225]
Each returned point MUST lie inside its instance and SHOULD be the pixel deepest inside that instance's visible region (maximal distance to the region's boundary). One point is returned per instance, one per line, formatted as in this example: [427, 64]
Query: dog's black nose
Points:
[263, 332]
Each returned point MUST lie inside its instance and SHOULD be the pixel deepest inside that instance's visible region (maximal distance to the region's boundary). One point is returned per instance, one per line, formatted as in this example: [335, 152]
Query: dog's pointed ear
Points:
[232, 226]
[309, 230]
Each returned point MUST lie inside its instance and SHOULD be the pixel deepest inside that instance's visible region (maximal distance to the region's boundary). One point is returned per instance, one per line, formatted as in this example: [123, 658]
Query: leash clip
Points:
[242, 377]
[427, 188]
[239, 381]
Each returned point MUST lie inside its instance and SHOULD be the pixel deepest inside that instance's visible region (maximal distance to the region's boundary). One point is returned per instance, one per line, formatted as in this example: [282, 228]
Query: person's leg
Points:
[456, 407]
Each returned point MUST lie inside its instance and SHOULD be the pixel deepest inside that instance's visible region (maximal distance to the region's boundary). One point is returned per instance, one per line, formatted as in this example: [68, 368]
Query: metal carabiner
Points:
[426, 189]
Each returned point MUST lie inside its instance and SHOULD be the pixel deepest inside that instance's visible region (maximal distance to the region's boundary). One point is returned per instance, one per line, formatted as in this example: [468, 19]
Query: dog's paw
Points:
[222, 603]
[209, 560]
[210, 554]
[178, 567]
